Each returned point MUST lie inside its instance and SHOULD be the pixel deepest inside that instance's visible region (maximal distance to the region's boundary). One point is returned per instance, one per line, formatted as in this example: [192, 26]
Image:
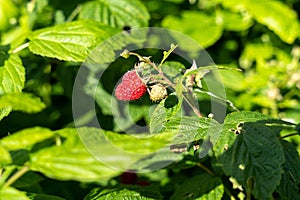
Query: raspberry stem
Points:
[166, 80]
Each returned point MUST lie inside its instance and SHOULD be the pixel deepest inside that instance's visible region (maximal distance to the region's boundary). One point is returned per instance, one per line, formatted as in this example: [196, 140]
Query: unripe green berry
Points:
[158, 92]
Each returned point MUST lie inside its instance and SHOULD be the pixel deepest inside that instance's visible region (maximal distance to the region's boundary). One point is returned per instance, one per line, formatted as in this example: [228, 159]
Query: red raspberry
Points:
[131, 87]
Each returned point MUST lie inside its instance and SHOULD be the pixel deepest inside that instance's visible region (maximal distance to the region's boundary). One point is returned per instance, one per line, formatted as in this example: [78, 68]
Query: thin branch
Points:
[16, 176]
[217, 97]
[74, 13]
[289, 135]
[205, 169]
[19, 48]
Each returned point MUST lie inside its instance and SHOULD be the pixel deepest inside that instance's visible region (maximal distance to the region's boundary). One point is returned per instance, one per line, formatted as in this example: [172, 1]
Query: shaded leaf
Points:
[33, 196]
[249, 159]
[195, 186]
[290, 178]
[231, 121]
[164, 111]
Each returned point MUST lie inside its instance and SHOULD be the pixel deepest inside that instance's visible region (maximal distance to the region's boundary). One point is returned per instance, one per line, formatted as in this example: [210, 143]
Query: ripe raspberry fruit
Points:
[131, 87]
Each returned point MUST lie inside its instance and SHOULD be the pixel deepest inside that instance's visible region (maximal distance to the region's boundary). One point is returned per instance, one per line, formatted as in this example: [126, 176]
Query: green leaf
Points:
[131, 192]
[232, 79]
[231, 121]
[215, 194]
[26, 138]
[201, 27]
[163, 112]
[70, 160]
[123, 151]
[168, 53]
[191, 129]
[10, 193]
[277, 16]
[21, 102]
[116, 13]
[158, 160]
[5, 156]
[12, 75]
[71, 41]
[290, 178]
[255, 159]
[29, 180]
[8, 11]
[4, 112]
[173, 70]
[234, 21]
[139, 143]
[33, 196]
[206, 68]
[195, 186]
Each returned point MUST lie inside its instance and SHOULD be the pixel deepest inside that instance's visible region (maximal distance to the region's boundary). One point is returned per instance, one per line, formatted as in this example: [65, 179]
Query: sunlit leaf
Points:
[191, 129]
[5, 156]
[116, 13]
[12, 74]
[235, 21]
[11, 193]
[70, 161]
[4, 112]
[201, 27]
[26, 138]
[214, 194]
[72, 41]
[22, 102]
[276, 15]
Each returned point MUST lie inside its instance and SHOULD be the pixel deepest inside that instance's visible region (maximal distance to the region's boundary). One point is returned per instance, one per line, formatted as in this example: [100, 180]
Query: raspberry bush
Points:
[203, 105]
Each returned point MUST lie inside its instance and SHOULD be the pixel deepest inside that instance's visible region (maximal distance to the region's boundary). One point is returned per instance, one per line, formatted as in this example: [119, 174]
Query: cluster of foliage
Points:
[44, 150]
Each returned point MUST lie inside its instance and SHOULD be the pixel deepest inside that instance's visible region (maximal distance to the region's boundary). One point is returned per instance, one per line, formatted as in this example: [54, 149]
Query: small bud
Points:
[210, 115]
[125, 54]
[158, 92]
